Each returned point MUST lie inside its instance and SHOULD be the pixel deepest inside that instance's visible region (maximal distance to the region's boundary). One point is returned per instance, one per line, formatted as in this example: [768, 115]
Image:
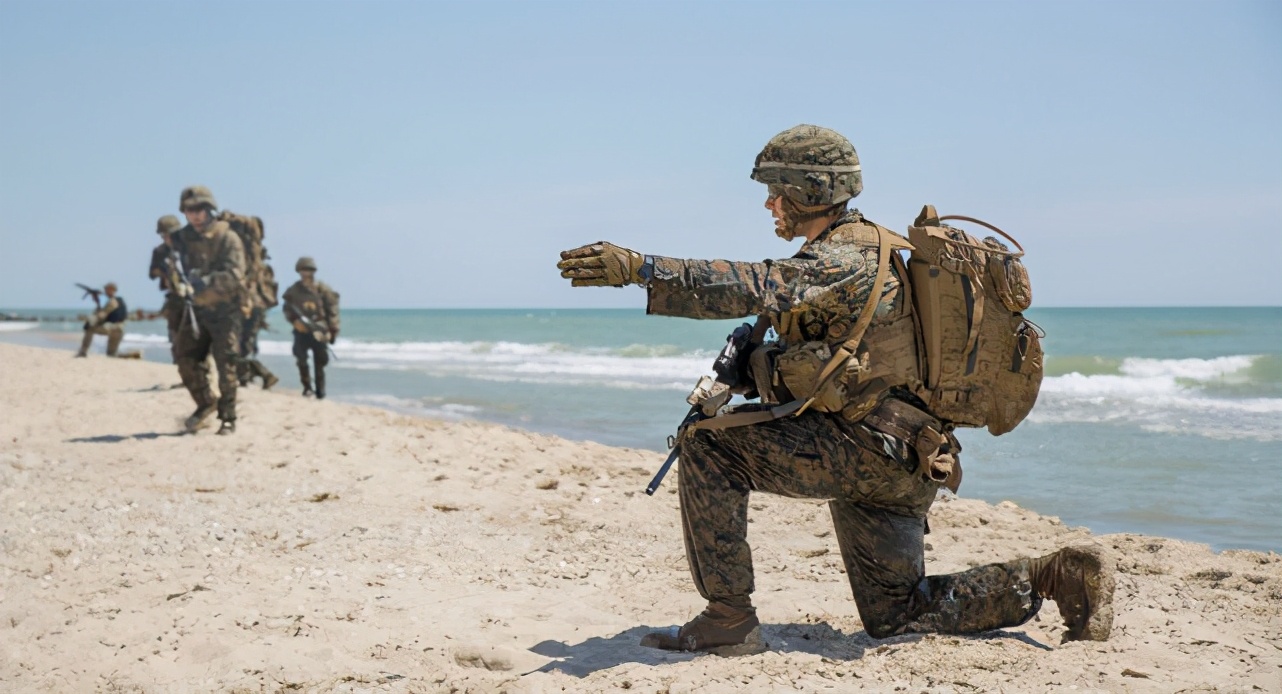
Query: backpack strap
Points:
[851, 344]
[836, 362]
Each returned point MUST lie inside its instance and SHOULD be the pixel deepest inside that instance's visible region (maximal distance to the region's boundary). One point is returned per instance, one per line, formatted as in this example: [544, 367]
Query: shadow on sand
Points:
[595, 654]
[117, 438]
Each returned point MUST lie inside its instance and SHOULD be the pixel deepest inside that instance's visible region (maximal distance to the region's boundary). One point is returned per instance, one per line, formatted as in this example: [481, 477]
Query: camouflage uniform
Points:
[102, 322]
[852, 449]
[877, 498]
[172, 309]
[319, 306]
[215, 262]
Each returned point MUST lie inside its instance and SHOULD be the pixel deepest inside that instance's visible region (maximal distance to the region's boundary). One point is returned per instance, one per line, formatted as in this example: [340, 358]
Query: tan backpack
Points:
[981, 360]
[260, 279]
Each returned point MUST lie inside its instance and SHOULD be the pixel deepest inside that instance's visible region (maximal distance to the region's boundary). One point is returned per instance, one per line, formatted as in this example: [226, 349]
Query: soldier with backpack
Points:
[260, 296]
[210, 261]
[876, 362]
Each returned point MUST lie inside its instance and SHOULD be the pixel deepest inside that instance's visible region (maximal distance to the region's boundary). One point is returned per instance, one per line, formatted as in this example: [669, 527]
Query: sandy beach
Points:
[329, 547]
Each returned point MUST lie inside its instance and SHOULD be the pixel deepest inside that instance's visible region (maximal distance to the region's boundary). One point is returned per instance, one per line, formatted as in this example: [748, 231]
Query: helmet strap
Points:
[795, 215]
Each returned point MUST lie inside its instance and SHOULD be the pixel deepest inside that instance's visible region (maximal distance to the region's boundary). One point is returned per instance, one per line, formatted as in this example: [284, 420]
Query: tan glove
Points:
[300, 327]
[601, 264]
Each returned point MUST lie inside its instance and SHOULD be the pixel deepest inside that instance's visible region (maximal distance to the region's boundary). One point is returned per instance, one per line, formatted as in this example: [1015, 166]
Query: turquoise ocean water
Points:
[1165, 421]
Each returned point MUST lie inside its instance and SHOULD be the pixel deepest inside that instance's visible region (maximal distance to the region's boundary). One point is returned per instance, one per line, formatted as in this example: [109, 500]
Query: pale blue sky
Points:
[440, 154]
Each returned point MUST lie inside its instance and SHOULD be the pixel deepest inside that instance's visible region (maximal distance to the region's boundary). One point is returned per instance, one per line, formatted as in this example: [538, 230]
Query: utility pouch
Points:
[762, 369]
[799, 367]
[934, 444]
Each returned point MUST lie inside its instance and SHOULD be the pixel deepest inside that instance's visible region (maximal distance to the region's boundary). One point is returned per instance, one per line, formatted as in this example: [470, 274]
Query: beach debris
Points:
[548, 484]
[195, 589]
[323, 496]
[1134, 673]
[445, 508]
[209, 490]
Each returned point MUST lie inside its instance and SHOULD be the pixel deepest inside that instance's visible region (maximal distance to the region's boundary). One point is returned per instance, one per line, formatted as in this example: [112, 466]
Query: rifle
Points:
[179, 283]
[90, 291]
[709, 393]
[314, 329]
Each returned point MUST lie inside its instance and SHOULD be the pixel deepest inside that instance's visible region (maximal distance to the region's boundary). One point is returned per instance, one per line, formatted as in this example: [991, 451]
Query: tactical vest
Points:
[864, 357]
[119, 313]
[951, 332]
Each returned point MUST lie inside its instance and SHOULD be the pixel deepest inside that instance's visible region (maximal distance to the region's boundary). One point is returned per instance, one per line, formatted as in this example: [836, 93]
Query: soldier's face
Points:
[197, 216]
[774, 203]
[308, 276]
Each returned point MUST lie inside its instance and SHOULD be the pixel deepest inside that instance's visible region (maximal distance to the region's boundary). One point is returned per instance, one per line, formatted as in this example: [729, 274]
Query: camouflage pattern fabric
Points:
[248, 366]
[878, 498]
[318, 304]
[810, 165]
[219, 337]
[826, 283]
[305, 344]
[215, 264]
[878, 503]
[159, 267]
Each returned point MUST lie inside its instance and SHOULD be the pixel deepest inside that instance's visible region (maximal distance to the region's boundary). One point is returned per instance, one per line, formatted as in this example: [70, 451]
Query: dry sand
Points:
[328, 547]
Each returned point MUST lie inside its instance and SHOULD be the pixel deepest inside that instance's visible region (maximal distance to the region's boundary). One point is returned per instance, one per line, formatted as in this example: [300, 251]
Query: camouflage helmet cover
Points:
[168, 224]
[305, 263]
[196, 196]
[810, 165]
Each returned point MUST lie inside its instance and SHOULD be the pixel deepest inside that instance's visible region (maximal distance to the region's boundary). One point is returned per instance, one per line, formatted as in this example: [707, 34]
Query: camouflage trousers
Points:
[115, 332]
[220, 338]
[173, 310]
[248, 366]
[878, 505]
[305, 344]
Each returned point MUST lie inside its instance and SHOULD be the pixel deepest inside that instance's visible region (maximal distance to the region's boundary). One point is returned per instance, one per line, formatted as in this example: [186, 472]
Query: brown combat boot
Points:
[720, 629]
[1080, 581]
[200, 418]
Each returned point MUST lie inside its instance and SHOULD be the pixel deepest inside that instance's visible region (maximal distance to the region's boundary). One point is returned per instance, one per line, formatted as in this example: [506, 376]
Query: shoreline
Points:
[336, 547]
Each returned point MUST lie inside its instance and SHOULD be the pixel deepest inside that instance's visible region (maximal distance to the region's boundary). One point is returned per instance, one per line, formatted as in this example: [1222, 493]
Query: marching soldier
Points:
[312, 308]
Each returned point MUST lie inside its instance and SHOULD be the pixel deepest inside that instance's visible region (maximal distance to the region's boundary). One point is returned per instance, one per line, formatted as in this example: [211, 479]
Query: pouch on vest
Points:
[931, 440]
[981, 360]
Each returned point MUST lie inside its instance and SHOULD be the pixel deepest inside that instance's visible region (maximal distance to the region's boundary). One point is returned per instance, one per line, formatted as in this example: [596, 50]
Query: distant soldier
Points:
[108, 320]
[214, 261]
[172, 309]
[312, 308]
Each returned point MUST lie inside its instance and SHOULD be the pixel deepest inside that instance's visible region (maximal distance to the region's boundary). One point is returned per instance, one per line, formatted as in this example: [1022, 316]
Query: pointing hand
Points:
[601, 264]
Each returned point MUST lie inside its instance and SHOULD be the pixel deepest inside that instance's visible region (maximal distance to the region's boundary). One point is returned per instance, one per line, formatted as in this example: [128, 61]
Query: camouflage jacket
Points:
[159, 269]
[215, 264]
[318, 304]
[822, 288]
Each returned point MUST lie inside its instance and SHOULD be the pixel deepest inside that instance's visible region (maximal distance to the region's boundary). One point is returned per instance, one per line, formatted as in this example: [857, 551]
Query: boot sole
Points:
[668, 641]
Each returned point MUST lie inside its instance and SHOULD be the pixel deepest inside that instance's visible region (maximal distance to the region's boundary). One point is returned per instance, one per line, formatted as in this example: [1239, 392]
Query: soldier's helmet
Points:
[168, 224]
[110, 286]
[810, 165]
[305, 263]
[196, 196]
